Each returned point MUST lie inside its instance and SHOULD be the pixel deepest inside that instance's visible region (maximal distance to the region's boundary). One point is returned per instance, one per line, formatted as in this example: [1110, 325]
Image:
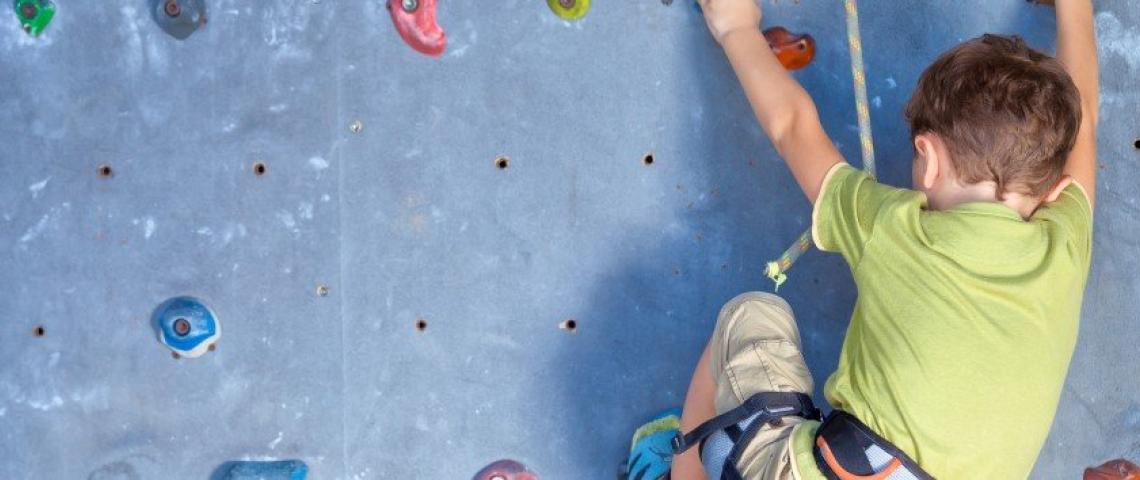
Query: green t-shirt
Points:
[964, 325]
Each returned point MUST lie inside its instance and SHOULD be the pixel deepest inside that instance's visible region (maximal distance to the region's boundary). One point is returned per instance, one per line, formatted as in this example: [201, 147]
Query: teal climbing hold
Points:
[267, 470]
[179, 18]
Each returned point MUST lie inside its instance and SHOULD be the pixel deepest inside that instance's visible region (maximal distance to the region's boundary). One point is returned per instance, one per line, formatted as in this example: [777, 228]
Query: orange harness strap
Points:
[844, 474]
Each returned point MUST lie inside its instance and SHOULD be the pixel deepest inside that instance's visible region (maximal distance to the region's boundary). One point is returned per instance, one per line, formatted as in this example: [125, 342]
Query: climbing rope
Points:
[777, 269]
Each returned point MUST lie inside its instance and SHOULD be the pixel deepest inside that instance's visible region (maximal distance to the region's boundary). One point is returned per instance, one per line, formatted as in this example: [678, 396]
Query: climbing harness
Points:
[846, 449]
[777, 269]
[723, 438]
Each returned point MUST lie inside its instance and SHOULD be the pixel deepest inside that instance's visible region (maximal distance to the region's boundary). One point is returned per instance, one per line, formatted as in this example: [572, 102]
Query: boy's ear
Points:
[929, 164]
[1054, 193]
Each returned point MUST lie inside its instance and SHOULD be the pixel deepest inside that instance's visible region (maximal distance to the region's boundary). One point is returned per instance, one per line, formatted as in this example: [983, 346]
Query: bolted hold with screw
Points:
[29, 10]
[409, 5]
[172, 8]
[34, 15]
[179, 18]
[186, 326]
[181, 327]
[569, 9]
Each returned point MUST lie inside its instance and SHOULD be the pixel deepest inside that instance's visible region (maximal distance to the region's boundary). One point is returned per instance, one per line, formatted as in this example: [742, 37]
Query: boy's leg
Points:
[697, 410]
[755, 348]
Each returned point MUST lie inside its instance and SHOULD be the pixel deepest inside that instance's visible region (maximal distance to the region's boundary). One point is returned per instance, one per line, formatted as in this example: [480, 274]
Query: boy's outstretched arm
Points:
[784, 109]
[1076, 49]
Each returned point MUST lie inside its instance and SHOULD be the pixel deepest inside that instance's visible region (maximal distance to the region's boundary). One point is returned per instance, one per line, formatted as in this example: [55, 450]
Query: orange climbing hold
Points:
[1118, 469]
[415, 21]
[794, 51]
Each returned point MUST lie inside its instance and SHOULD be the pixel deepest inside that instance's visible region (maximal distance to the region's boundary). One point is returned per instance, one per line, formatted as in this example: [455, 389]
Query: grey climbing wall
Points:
[409, 221]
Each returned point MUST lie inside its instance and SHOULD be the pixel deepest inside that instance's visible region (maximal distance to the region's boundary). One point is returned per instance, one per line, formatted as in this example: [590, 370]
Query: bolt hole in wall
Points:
[105, 171]
[570, 325]
[421, 325]
[647, 159]
[1136, 144]
[259, 168]
[172, 8]
[181, 327]
[502, 162]
[38, 331]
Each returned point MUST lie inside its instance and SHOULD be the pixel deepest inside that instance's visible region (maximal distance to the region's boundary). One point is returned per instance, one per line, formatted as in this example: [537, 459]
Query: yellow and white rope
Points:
[777, 269]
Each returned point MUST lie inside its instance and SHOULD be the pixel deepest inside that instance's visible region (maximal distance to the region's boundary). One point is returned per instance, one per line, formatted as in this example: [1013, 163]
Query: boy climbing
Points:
[970, 285]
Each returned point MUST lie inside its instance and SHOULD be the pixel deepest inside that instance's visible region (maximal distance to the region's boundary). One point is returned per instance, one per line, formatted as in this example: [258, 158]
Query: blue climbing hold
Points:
[179, 18]
[269, 470]
[187, 326]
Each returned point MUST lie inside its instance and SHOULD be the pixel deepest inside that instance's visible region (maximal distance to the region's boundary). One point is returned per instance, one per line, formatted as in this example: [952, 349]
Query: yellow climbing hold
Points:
[569, 9]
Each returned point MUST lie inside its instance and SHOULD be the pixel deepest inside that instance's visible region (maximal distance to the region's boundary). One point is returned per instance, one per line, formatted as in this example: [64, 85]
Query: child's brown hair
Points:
[1008, 113]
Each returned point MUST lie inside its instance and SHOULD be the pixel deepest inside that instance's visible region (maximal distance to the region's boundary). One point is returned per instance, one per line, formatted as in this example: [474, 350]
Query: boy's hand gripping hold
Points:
[726, 16]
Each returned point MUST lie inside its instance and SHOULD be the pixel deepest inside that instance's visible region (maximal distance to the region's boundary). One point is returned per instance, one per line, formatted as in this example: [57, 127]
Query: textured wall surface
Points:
[409, 219]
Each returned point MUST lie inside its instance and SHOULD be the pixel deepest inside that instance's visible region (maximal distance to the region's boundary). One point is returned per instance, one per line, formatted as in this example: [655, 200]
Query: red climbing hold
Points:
[794, 51]
[415, 20]
[1119, 469]
[506, 470]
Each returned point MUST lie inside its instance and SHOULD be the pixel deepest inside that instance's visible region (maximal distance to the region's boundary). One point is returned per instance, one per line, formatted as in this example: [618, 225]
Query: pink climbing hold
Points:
[415, 21]
[506, 470]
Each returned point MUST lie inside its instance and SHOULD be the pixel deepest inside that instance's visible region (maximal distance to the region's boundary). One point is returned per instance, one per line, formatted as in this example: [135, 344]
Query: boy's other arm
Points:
[784, 109]
[1076, 49]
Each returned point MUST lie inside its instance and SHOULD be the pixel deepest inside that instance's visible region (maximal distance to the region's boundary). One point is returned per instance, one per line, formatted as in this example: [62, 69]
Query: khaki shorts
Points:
[756, 348]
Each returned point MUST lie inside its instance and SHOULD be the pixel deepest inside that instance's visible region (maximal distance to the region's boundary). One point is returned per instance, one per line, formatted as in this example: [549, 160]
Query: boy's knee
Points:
[756, 348]
[760, 314]
[754, 299]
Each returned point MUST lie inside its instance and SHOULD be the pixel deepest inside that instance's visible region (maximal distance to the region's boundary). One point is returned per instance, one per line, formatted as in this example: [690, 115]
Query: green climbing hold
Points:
[569, 9]
[34, 15]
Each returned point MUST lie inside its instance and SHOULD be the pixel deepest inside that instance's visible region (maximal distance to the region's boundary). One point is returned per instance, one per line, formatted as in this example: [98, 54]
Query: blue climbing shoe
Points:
[651, 451]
